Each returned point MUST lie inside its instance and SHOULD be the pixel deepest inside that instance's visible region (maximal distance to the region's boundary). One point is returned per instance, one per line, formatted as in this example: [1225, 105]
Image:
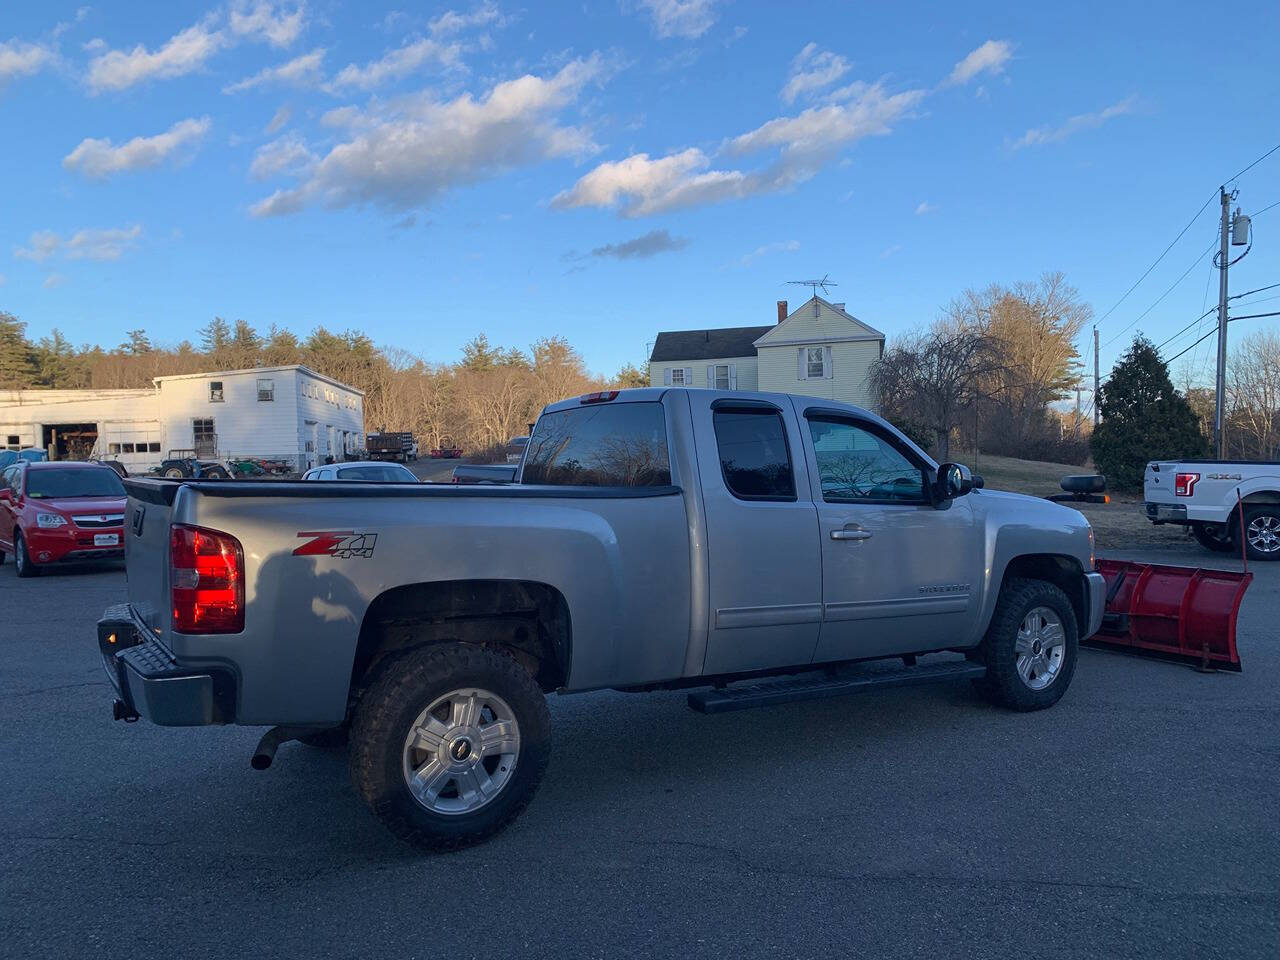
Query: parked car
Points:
[515, 448]
[369, 471]
[446, 453]
[484, 473]
[1207, 495]
[64, 512]
[655, 539]
[29, 455]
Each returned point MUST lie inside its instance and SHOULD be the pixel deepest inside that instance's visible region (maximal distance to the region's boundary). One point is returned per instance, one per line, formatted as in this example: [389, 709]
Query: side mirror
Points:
[952, 480]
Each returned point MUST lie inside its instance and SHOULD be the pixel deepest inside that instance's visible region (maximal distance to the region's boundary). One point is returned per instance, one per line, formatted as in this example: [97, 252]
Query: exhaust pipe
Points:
[271, 740]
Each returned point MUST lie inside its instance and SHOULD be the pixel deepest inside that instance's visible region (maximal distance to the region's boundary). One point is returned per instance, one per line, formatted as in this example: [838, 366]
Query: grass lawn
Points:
[1118, 524]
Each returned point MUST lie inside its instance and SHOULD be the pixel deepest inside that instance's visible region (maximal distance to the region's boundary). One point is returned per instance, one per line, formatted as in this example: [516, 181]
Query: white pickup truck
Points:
[1206, 495]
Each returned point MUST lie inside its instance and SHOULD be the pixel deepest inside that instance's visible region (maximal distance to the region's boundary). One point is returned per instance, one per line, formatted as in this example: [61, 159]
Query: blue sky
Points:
[426, 172]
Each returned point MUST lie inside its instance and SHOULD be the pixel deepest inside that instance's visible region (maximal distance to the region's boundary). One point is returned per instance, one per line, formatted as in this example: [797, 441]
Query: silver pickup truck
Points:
[757, 547]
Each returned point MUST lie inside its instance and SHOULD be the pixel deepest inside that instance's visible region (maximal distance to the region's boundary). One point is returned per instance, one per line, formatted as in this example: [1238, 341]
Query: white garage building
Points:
[289, 413]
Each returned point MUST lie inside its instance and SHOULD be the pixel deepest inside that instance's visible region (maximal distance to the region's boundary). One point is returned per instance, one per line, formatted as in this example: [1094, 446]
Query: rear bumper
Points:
[1166, 512]
[149, 682]
[1096, 594]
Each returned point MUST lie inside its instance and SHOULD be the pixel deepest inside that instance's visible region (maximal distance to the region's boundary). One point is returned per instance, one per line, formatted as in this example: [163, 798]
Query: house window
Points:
[266, 391]
[203, 438]
[677, 377]
[814, 365]
[722, 379]
[215, 391]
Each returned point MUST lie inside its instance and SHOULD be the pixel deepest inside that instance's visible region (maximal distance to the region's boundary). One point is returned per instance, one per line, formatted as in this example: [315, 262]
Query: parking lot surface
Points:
[1135, 819]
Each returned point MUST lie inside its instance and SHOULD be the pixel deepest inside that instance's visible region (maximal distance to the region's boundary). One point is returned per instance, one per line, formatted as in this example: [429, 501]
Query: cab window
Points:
[600, 445]
[754, 456]
[857, 463]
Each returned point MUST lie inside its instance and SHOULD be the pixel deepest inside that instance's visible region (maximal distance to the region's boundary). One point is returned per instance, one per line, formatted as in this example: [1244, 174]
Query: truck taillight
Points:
[206, 580]
[1184, 484]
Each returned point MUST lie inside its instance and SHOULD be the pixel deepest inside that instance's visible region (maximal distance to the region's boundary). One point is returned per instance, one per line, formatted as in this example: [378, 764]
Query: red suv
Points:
[60, 513]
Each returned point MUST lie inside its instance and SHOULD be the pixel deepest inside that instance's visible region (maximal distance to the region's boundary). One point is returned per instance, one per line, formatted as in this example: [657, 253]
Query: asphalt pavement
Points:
[1135, 819]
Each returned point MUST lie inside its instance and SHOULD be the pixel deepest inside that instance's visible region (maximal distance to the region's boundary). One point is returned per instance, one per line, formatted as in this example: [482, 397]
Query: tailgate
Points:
[146, 549]
[1157, 482]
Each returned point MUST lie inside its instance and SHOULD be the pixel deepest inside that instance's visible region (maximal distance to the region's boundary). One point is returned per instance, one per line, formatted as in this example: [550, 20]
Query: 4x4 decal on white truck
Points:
[343, 544]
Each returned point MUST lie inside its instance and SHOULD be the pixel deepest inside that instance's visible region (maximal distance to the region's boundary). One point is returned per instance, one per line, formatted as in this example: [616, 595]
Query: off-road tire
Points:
[404, 686]
[329, 739]
[1211, 536]
[175, 473]
[1002, 684]
[22, 558]
[215, 473]
[1254, 513]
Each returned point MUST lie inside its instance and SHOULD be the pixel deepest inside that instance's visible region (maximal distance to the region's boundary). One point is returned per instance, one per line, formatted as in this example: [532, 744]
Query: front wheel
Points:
[175, 473]
[1030, 648]
[22, 559]
[449, 744]
[1214, 536]
[1262, 532]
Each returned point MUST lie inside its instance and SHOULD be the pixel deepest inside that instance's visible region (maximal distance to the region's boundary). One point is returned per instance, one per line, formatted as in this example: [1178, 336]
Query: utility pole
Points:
[1225, 254]
[1097, 413]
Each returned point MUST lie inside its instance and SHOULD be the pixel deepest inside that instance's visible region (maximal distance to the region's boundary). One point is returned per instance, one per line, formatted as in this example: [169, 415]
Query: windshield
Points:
[385, 473]
[73, 482]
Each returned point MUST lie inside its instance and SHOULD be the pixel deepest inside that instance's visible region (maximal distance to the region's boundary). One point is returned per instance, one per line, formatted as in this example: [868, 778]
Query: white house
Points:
[288, 412]
[819, 350]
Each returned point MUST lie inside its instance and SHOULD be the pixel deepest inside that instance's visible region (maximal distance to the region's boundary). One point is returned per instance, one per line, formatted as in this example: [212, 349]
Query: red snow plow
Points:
[1172, 613]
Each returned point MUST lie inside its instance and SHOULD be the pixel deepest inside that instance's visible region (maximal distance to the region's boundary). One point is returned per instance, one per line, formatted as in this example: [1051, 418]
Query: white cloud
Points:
[811, 70]
[641, 186]
[184, 53]
[451, 21]
[303, 71]
[42, 245]
[681, 18]
[925, 207]
[1037, 136]
[278, 24]
[403, 154]
[988, 58]
[18, 59]
[782, 246]
[53, 281]
[101, 158]
[101, 244]
[396, 64]
[88, 244]
[280, 119]
[288, 154]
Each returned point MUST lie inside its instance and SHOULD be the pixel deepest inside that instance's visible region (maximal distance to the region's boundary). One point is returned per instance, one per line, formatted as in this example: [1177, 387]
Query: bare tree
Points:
[1253, 394]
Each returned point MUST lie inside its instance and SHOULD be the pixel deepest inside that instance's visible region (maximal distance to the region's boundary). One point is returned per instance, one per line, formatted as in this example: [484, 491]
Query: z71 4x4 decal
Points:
[343, 544]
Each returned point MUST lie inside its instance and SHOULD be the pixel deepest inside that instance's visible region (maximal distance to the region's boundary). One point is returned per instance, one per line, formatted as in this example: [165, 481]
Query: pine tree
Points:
[1143, 418]
[17, 358]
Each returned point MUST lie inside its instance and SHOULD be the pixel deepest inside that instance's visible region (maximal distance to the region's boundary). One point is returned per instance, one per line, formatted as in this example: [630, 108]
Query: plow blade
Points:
[1184, 614]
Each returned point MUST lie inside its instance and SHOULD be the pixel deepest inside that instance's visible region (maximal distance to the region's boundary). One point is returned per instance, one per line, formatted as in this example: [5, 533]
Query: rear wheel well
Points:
[1062, 571]
[527, 620]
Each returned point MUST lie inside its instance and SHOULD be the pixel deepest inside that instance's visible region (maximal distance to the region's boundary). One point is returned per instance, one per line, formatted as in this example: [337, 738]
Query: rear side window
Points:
[600, 445]
[754, 456]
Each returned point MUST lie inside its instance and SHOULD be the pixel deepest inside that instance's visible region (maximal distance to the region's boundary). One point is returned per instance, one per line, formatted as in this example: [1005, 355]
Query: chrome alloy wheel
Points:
[1263, 533]
[461, 751]
[1040, 648]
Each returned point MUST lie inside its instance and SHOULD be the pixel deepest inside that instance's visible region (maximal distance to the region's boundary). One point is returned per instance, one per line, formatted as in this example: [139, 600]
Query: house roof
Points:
[706, 344]
[259, 371]
[786, 332]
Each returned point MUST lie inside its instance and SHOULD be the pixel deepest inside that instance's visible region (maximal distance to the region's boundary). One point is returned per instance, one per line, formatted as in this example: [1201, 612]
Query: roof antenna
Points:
[815, 285]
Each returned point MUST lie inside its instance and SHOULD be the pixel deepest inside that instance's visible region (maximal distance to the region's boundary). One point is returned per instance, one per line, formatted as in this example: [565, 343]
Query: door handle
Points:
[850, 534]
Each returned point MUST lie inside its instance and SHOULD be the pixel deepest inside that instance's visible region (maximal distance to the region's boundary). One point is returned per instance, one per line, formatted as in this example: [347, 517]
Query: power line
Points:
[1122, 331]
[1270, 286]
[1247, 316]
[1254, 316]
[1255, 163]
[1265, 209]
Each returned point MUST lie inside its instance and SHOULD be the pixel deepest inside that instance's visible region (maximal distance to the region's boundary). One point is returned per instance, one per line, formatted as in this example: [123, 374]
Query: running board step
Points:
[772, 692]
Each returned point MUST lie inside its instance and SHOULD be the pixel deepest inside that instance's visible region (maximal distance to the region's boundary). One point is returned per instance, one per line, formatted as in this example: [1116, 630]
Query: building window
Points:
[126, 448]
[215, 391]
[13, 440]
[309, 446]
[721, 377]
[814, 365]
[677, 377]
[154, 446]
[203, 438]
[266, 391]
[113, 448]
[754, 457]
